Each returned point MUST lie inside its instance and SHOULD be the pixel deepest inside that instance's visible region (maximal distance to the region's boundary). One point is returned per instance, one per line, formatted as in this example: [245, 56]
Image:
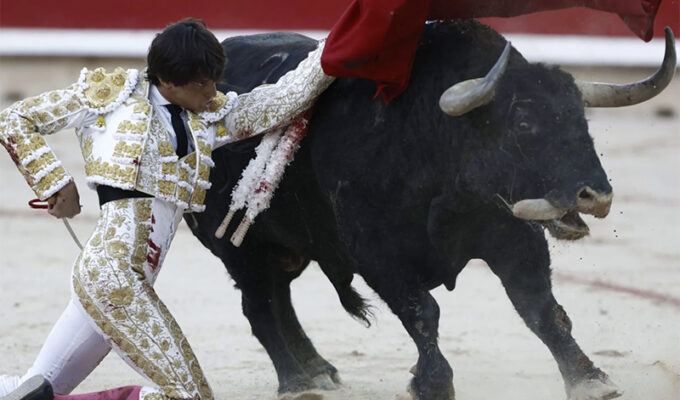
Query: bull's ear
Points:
[472, 93]
[597, 94]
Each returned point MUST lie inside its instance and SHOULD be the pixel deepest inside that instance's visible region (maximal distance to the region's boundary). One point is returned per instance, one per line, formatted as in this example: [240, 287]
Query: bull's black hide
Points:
[405, 196]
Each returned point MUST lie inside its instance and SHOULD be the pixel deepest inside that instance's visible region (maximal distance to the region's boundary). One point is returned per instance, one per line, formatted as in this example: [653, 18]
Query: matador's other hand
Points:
[65, 203]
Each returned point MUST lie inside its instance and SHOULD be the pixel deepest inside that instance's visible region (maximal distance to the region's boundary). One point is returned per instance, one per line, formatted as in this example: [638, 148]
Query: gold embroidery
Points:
[269, 106]
[36, 166]
[196, 125]
[219, 101]
[93, 274]
[50, 180]
[204, 147]
[166, 149]
[124, 126]
[169, 168]
[33, 101]
[87, 147]
[97, 75]
[184, 175]
[183, 194]
[119, 174]
[96, 239]
[122, 296]
[59, 111]
[128, 310]
[166, 187]
[221, 130]
[25, 147]
[117, 249]
[44, 117]
[119, 79]
[190, 159]
[131, 150]
[110, 233]
[132, 127]
[199, 196]
[141, 107]
[72, 106]
[101, 122]
[104, 88]
[204, 172]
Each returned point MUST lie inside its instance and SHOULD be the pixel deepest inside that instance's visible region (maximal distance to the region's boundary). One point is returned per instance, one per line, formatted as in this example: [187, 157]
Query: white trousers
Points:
[72, 350]
[114, 306]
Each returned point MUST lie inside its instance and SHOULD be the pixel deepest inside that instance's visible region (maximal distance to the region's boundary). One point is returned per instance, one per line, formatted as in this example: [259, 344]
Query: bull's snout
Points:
[590, 201]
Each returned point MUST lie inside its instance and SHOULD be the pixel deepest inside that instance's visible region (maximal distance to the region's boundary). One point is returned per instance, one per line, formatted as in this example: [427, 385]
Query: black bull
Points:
[406, 195]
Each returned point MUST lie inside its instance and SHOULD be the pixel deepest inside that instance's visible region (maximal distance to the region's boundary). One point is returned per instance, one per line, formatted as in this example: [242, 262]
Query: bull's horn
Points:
[472, 93]
[536, 209]
[597, 94]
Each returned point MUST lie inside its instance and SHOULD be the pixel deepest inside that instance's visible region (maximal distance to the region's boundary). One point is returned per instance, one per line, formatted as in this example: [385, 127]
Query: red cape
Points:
[377, 39]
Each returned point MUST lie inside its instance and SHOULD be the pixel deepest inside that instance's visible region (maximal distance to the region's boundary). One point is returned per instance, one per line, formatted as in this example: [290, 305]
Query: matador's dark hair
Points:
[185, 51]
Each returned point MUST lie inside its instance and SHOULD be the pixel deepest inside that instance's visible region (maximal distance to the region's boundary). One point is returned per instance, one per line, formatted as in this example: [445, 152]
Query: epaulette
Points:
[103, 91]
[220, 106]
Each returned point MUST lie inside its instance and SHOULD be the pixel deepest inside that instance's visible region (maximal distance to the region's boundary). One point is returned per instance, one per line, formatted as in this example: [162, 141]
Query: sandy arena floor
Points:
[620, 286]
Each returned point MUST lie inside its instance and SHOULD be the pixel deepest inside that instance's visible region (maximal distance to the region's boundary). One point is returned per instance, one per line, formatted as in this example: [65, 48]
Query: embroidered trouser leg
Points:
[112, 280]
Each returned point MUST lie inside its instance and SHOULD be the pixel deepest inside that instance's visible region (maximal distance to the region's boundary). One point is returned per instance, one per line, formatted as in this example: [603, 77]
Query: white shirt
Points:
[158, 103]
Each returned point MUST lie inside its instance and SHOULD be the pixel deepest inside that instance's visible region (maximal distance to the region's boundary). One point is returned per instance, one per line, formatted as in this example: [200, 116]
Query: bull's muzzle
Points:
[588, 201]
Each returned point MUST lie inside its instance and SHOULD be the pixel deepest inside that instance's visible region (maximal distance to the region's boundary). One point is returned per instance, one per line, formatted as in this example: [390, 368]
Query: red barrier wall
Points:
[282, 15]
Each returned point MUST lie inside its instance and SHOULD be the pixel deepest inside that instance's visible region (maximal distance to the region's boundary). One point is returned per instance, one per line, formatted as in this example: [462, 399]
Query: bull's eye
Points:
[521, 117]
[523, 127]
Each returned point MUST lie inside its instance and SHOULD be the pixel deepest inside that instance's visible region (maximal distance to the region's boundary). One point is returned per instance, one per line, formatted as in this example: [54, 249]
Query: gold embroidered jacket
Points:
[128, 147]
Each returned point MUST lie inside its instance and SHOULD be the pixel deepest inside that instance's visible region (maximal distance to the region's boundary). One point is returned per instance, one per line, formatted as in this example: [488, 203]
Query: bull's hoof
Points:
[417, 392]
[594, 389]
[335, 376]
[325, 382]
[318, 366]
[298, 384]
[308, 395]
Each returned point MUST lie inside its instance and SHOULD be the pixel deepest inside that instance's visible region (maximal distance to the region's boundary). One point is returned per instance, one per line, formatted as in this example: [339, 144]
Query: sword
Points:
[38, 204]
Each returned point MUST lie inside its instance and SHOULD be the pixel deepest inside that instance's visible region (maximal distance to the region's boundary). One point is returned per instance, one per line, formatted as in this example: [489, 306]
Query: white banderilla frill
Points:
[262, 176]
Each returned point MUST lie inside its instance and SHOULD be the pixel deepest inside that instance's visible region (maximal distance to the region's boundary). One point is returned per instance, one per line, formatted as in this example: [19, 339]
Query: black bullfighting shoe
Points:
[36, 388]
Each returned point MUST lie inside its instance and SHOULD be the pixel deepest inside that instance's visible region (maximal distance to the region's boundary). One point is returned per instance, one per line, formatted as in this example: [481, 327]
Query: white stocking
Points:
[72, 350]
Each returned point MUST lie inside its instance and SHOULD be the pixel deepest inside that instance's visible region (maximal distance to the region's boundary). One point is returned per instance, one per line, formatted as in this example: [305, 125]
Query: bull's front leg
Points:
[390, 253]
[249, 269]
[418, 311]
[323, 374]
[522, 262]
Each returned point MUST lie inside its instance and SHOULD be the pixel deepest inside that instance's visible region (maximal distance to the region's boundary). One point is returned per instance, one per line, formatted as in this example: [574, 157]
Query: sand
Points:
[620, 285]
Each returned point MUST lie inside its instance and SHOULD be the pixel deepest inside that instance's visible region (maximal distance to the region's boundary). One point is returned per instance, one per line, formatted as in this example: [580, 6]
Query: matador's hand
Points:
[65, 203]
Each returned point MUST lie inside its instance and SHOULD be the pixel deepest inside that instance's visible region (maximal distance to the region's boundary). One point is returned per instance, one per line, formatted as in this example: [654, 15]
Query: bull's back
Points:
[257, 59]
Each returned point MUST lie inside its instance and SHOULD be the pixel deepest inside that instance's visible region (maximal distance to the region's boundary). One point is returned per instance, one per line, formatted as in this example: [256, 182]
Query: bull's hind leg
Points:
[521, 260]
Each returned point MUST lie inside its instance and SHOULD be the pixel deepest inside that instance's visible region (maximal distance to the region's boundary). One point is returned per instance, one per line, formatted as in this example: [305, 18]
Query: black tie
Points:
[180, 130]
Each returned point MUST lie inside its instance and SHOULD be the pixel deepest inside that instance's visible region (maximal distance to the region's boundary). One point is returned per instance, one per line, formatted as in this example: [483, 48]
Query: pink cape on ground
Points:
[121, 393]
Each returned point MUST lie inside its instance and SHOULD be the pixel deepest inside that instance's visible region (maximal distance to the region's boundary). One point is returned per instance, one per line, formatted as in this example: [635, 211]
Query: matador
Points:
[146, 138]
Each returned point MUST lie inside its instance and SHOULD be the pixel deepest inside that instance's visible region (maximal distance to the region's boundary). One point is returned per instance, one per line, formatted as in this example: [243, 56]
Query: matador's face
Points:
[195, 95]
